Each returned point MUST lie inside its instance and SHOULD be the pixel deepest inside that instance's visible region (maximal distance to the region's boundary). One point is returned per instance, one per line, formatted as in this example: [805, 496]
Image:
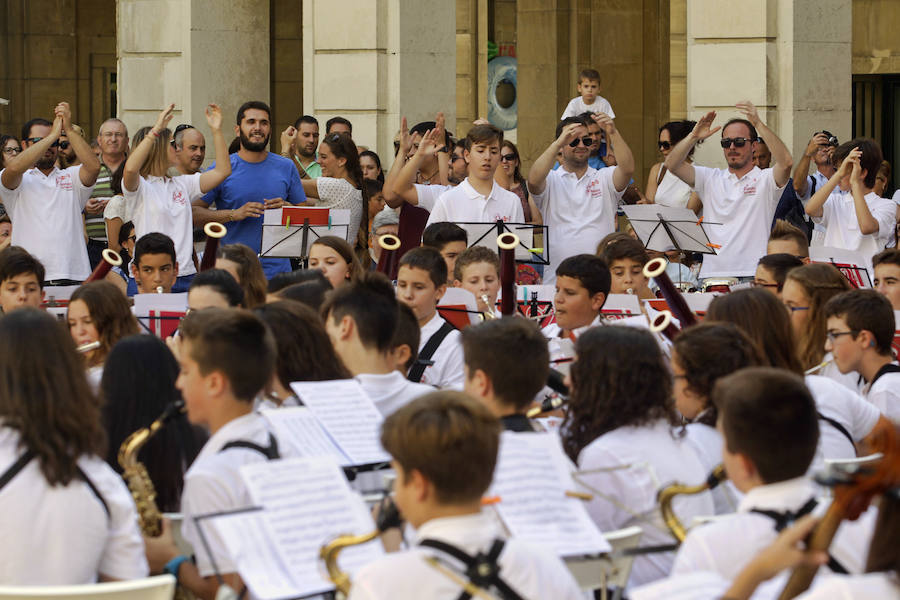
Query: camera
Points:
[832, 139]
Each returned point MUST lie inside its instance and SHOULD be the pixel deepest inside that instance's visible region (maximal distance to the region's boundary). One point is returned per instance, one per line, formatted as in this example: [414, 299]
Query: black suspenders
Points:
[785, 518]
[270, 451]
[482, 569]
[431, 346]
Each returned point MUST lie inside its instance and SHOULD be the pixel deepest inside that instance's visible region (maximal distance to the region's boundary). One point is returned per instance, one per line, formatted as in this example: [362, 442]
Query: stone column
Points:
[191, 52]
[375, 60]
[792, 58]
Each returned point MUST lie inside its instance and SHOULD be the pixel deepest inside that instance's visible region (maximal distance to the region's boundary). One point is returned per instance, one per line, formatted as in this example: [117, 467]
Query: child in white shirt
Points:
[589, 98]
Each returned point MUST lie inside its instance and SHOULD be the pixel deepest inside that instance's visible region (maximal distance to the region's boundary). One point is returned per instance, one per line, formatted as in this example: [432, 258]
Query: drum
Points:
[720, 285]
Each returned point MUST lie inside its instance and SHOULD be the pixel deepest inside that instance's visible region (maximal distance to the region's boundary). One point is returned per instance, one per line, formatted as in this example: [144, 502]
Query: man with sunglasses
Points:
[45, 202]
[578, 202]
[738, 202]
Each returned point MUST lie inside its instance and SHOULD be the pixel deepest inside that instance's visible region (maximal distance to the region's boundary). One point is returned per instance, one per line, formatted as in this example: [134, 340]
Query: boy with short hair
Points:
[405, 343]
[507, 363]
[479, 199]
[589, 98]
[477, 270]
[788, 239]
[429, 440]
[626, 259]
[227, 356]
[887, 275]
[582, 285]
[155, 266]
[21, 280]
[360, 318]
[859, 335]
[770, 428]
[421, 282]
[449, 239]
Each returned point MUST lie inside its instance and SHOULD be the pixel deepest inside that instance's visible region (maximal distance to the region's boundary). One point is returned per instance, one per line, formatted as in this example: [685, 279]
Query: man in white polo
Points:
[738, 202]
[46, 203]
[578, 202]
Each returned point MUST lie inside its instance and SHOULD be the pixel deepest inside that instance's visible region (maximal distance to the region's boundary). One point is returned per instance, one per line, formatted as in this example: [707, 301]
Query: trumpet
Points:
[667, 494]
[388, 518]
[214, 232]
[507, 243]
[111, 259]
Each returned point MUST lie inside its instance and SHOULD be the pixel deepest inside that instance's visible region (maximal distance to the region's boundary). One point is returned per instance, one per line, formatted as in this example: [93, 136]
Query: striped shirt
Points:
[95, 225]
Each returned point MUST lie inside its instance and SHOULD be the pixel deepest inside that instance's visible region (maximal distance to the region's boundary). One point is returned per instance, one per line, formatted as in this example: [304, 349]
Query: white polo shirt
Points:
[391, 391]
[464, 204]
[884, 395]
[737, 215]
[163, 204]
[531, 572]
[61, 535]
[46, 211]
[448, 370]
[578, 213]
[842, 226]
[428, 194]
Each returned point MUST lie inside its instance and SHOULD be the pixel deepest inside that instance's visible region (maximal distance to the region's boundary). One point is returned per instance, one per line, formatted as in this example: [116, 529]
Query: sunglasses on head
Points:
[35, 140]
[587, 141]
[664, 145]
[508, 157]
[738, 142]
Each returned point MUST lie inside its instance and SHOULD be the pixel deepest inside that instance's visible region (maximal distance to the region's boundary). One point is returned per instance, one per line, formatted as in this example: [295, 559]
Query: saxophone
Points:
[667, 494]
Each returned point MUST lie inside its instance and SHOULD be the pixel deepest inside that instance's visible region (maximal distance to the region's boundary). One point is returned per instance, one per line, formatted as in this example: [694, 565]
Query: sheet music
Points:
[299, 428]
[856, 267]
[348, 415]
[531, 478]
[287, 241]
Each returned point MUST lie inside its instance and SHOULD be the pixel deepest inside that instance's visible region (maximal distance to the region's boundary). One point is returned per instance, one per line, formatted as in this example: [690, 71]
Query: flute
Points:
[818, 367]
[87, 347]
[111, 259]
[656, 269]
[507, 243]
[214, 232]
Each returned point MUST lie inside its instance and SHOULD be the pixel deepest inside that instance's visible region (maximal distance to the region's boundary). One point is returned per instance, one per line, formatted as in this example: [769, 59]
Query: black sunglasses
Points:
[738, 142]
[664, 145]
[587, 141]
[35, 140]
[508, 157]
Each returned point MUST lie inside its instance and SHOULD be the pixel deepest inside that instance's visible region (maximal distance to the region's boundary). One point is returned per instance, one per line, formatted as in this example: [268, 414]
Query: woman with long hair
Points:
[335, 258]
[162, 203]
[510, 177]
[845, 418]
[663, 187]
[67, 517]
[624, 433]
[305, 352]
[341, 186]
[371, 166]
[138, 385]
[243, 264]
[99, 312]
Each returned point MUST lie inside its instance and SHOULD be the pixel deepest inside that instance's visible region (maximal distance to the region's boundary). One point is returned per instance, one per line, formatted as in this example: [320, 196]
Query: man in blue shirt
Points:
[259, 180]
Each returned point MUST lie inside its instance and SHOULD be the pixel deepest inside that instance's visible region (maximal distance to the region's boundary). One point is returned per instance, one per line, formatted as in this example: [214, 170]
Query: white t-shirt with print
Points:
[338, 193]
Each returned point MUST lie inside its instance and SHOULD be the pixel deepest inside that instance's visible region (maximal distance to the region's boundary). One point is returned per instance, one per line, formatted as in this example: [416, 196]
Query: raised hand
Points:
[405, 139]
[702, 129]
[213, 116]
[818, 141]
[749, 111]
[848, 166]
[63, 111]
[605, 122]
[569, 133]
[165, 115]
[440, 128]
[428, 145]
[288, 137]
[57, 127]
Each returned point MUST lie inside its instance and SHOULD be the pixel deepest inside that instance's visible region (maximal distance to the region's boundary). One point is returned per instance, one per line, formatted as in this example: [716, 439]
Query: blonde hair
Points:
[157, 162]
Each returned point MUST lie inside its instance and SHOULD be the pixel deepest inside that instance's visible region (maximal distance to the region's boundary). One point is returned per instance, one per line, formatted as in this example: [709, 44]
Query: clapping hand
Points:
[702, 129]
[749, 111]
[214, 116]
[165, 115]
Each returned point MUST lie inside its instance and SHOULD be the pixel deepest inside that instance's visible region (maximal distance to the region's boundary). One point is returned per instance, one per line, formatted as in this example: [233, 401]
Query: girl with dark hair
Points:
[370, 165]
[335, 258]
[341, 186]
[67, 517]
[138, 384]
[663, 187]
[9, 149]
[304, 351]
[624, 433]
[244, 266]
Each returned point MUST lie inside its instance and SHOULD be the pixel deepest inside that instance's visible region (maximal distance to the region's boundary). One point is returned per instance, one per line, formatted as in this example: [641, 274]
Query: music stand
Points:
[527, 252]
[853, 265]
[288, 232]
[665, 228]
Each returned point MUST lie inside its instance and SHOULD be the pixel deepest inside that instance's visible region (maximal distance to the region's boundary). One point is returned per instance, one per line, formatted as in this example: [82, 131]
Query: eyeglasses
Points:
[35, 140]
[11, 150]
[831, 336]
[64, 145]
[664, 145]
[738, 142]
[762, 284]
[509, 157]
[587, 141]
[131, 238]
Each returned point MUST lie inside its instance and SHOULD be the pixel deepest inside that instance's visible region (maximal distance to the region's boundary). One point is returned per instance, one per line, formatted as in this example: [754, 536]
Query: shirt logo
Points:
[178, 198]
[595, 190]
[64, 182]
[499, 217]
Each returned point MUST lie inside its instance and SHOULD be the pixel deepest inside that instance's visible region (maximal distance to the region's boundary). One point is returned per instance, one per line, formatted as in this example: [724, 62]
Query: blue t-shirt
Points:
[274, 177]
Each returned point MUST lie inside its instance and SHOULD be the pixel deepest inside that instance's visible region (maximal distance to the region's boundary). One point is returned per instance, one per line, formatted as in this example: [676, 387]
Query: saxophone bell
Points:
[668, 493]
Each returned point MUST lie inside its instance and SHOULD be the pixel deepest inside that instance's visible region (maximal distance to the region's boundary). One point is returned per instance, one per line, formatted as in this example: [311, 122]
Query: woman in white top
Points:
[622, 430]
[161, 203]
[67, 516]
[341, 186]
[663, 187]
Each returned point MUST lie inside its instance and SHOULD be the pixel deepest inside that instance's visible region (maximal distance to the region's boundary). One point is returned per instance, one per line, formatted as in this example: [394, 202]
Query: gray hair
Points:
[387, 216]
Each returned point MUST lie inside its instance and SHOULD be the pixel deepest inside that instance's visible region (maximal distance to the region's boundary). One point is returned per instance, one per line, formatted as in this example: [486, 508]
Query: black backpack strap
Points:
[839, 427]
[424, 359]
[94, 489]
[270, 452]
[481, 569]
[16, 468]
[812, 185]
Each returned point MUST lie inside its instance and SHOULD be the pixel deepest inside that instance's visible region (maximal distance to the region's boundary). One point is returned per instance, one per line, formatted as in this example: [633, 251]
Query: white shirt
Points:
[884, 395]
[532, 572]
[391, 391]
[553, 330]
[639, 461]
[707, 443]
[213, 484]
[725, 545]
[464, 204]
[737, 215]
[448, 368]
[576, 106]
[428, 194]
[842, 226]
[61, 535]
[46, 211]
[672, 191]
[163, 204]
[848, 408]
[338, 193]
[578, 213]
[871, 586]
